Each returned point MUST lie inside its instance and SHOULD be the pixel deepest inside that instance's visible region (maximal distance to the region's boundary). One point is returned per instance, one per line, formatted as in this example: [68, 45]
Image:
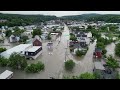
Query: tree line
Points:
[21, 20]
[110, 18]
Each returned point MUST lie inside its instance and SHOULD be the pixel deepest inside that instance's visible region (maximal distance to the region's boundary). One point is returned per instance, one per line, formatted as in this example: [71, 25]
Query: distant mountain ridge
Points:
[111, 18]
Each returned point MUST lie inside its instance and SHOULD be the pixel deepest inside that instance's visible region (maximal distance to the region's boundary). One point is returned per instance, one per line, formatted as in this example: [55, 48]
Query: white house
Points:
[89, 34]
[13, 38]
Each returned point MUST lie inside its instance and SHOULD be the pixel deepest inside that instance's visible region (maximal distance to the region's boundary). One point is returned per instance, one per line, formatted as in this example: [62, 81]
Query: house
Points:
[76, 45]
[37, 41]
[3, 20]
[33, 52]
[17, 49]
[83, 42]
[97, 53]
[89, 35]
[27, 50]
[13, 38]
[44, 35]
[21, 27]
[104, 72]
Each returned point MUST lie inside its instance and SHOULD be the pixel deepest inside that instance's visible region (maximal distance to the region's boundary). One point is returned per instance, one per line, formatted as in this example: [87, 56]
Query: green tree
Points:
[117, 49]
[49, 37]
[82, 76]
[8, 33]
[17, 31]
[17, 61]
[69, 65]
[2, 50]
[112, 63]
[87, 76]
[79, 53]
[37, 32]
[3, 61]
[104, 51]
[100, 45]
[54, 29]
[24, 39]
[89, 27]
[34, 68]
[72, 37]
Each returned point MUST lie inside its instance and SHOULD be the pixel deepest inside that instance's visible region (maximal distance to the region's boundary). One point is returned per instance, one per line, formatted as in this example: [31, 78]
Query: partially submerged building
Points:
[31, 51]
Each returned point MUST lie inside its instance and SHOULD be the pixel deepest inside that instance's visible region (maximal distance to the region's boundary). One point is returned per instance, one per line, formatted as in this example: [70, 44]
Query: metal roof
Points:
[5, 74]
[33, 49]
[16, 49]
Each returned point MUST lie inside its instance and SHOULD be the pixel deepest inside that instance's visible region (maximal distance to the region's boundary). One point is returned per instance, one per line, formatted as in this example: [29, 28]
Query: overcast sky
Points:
[60, 13]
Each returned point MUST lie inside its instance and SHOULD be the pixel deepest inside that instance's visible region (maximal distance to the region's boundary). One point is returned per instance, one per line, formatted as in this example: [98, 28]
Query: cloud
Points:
[60, 13]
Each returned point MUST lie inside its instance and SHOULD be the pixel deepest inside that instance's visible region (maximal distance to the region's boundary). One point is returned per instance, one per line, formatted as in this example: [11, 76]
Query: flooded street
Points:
[7, 45]
[83, 64]
[54, 64]
[110, 49]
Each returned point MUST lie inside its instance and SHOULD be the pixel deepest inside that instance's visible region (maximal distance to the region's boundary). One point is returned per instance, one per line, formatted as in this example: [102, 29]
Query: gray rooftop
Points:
[98, 65]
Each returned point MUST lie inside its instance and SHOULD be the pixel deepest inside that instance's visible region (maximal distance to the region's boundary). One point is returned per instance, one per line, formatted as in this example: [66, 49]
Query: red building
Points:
[37, 41]
[98, 53]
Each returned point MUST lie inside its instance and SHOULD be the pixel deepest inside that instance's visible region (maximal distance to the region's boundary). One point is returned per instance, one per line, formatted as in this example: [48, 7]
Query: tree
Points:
[104, 51]
[49, 37]
[2, 50]
[79, 53]
[82, 76]
[24, 38]
[89, 27]
[87, 76]
[100, 45]
[3, 61]
[69, 65]
[17, 61]
[18, 31]
[112, 63]
[37, 32]
[34, 68]
[8, 33]
[117, 49]
[73, 38]
[54, 29]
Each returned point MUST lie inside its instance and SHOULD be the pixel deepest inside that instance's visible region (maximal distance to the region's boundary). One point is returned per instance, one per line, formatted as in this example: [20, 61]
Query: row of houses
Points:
[83, 40]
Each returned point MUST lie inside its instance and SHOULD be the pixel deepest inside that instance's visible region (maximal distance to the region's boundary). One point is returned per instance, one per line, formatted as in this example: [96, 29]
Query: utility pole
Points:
[66, 50]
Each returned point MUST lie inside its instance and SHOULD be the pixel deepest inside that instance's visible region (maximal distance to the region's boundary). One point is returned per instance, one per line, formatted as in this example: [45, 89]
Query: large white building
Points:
[27, 50]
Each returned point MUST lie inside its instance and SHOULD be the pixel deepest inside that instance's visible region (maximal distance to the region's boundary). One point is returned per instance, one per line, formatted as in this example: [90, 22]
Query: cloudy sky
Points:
[60, 13]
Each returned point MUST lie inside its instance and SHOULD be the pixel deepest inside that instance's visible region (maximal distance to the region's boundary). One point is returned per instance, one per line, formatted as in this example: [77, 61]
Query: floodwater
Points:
[83, 64]
[54, 63]
[7, 45]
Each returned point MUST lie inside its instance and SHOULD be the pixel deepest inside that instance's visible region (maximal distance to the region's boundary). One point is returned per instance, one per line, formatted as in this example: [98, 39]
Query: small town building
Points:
[13, 39]
[37, 41]
[98, 53]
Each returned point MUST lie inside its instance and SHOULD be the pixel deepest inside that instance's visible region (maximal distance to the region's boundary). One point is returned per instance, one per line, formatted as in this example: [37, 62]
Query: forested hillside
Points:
[18, 20]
